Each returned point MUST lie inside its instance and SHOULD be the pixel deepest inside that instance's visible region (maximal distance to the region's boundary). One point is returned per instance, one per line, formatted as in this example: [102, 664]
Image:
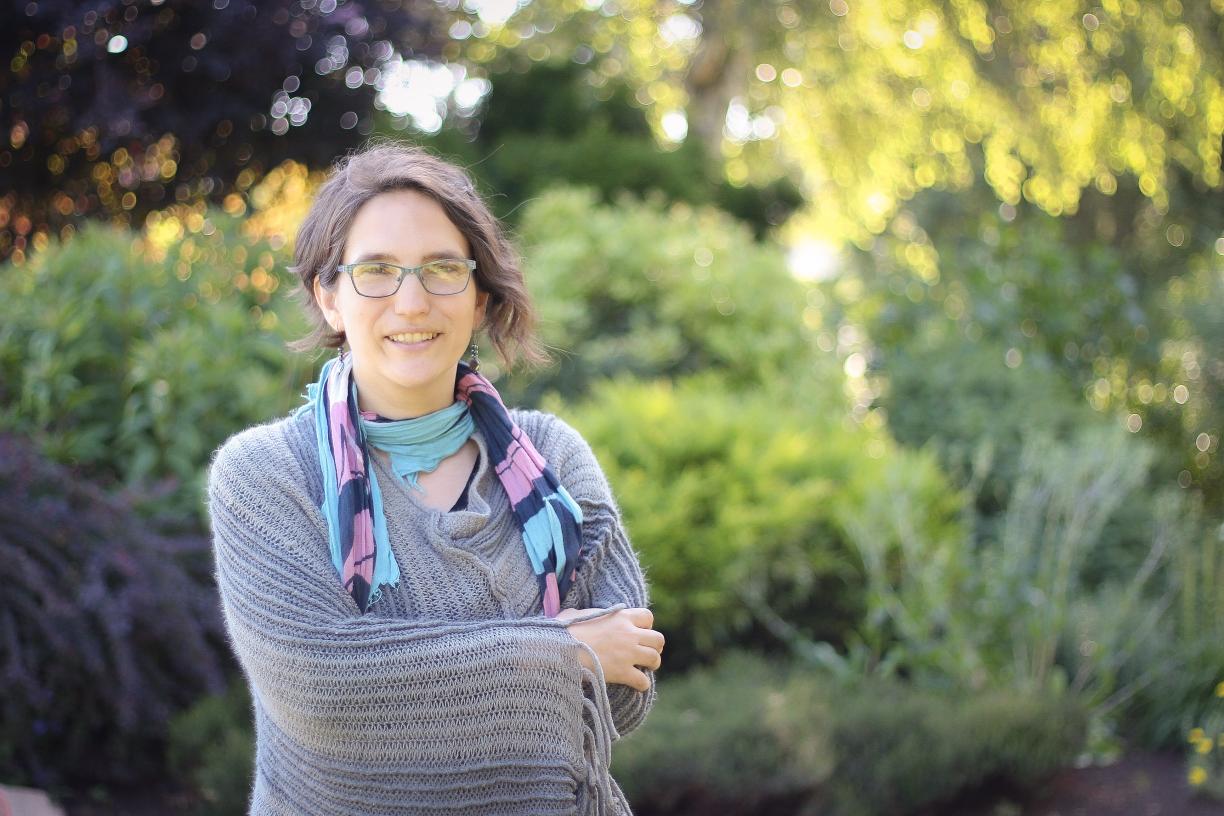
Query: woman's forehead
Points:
[403, 226]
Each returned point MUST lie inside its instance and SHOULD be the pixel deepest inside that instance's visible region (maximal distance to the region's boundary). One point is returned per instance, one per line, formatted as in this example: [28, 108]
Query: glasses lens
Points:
[375, 279]
[445, 277]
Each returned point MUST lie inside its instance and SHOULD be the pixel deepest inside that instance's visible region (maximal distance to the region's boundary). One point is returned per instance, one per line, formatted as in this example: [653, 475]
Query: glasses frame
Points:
[405, 271]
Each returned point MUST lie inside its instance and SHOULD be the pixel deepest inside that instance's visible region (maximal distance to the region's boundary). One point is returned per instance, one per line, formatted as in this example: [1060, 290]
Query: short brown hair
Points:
[381, 167]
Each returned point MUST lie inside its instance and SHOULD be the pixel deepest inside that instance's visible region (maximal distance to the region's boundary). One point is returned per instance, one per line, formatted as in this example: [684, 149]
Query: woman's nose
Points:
[411, 297]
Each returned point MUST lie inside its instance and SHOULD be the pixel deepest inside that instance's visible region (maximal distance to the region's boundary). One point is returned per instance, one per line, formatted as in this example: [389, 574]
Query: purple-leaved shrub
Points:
[107, 628]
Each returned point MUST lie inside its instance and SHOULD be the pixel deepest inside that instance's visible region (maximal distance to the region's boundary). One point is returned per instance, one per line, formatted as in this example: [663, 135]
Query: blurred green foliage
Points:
[1042, 602]
[750, 736]
[1206, 765]
[868, 104]
[549, 125]
[740, 734]
[969, 406]
[211, 748]
[900, 748]
[645, 289]
[739, 503]
[1181, 397]
[967, 310]
[134, 356]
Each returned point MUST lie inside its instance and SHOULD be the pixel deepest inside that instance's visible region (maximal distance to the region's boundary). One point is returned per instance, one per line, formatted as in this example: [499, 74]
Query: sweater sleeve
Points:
[330, 677]
[611, 572]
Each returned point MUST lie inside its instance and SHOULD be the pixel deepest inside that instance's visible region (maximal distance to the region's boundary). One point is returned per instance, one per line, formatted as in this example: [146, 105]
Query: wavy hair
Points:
[378, 168]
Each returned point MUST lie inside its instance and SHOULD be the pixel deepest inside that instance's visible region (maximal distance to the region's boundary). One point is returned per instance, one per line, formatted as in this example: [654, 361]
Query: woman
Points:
[432, 597]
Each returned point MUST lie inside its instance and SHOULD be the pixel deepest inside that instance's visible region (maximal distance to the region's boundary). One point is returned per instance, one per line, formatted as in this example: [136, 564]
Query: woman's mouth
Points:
[413, 339]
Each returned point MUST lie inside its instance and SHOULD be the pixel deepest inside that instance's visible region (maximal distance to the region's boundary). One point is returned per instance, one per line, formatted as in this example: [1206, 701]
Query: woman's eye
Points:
[446, 269]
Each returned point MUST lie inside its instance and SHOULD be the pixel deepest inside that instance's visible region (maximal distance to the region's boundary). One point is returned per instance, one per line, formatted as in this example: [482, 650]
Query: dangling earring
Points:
[474, 350]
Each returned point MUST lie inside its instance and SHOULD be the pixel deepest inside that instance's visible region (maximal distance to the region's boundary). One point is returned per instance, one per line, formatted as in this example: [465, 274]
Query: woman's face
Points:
[401, 378]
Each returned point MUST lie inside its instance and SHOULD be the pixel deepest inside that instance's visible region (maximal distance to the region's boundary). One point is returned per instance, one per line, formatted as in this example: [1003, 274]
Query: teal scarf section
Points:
[417, 445]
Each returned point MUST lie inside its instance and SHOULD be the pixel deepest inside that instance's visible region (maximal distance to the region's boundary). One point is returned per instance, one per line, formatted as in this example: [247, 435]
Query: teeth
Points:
[413, 337]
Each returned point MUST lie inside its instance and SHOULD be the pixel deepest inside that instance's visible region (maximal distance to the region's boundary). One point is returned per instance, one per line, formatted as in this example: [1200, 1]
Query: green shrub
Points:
[994, 612]
[740, 733]
[1189, 425]
[648, 290]
[738, 504]
[133, 356]
[1206, 763]
[899, 749]
[212, 750]
[746, 732]
[964, 400]
[1172, 676]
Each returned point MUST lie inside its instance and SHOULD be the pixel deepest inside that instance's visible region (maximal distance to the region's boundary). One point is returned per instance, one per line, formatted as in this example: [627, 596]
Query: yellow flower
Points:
[1196, 734]
[1197, 776]
[1205, 745]
[1220, 689]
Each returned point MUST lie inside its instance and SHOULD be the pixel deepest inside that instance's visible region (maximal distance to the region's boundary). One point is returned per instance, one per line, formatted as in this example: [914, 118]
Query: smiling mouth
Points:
[412, 338]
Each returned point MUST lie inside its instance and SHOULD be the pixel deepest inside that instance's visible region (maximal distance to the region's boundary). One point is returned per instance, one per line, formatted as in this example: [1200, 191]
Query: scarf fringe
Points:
[597, 792]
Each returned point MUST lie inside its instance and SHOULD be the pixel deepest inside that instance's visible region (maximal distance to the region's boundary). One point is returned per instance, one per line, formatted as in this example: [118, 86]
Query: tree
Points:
[549, 124]
[870, 102]
[115, 108]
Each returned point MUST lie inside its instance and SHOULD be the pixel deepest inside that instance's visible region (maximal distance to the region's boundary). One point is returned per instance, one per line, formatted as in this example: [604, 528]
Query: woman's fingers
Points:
[641, 616]
[653, 639]
[648, 658]
[638, 680]
[623, 642]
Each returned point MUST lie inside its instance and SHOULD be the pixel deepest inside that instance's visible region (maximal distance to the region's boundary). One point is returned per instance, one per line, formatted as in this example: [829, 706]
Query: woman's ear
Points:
[482, 302]
[326, 298]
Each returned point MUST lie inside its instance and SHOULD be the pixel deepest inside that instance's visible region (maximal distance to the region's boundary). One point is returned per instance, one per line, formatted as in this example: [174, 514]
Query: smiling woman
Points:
[432, 596]
[405, 340]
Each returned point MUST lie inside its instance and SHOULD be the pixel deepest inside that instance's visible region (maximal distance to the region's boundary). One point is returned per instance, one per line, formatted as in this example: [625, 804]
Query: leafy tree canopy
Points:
[119, 108]
[871, 101]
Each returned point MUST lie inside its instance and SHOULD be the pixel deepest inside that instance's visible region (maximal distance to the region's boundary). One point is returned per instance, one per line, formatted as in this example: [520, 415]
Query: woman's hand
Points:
[623, 641]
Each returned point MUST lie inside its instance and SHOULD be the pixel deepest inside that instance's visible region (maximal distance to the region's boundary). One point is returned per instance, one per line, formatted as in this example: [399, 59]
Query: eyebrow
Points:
[386, 256]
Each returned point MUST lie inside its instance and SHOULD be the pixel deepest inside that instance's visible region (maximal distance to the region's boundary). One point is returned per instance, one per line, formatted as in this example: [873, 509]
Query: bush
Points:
[899, 749]
[965, 401]
[738, 503]
[132, 357]
[1174, 674]
[1206, 772]
[107, 629]
[994, 612]
[741, 734]
[212, 750]
[748, 734]
[648, 290]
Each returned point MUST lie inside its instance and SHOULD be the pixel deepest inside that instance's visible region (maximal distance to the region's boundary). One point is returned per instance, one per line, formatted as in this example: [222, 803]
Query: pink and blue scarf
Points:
[549, 518]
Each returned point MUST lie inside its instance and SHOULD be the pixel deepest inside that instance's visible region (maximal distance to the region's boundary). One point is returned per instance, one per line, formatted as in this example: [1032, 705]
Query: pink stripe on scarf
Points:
[350, 463]
[517, 471]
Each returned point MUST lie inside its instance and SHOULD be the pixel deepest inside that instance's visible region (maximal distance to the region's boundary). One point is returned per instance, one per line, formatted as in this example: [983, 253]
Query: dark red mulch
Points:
[1140, 784]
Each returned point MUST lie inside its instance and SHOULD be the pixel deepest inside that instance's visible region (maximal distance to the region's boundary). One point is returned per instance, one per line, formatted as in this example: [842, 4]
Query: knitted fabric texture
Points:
[453, 693]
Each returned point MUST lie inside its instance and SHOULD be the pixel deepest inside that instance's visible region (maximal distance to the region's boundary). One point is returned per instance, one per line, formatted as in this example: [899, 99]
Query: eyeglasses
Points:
[376, 279]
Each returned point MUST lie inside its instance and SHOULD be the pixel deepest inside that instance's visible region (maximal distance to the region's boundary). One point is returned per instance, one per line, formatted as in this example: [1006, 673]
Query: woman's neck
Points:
[401, 406]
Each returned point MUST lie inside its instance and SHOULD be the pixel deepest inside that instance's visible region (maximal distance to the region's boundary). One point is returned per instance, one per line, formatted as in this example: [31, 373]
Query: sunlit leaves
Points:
[870, 102]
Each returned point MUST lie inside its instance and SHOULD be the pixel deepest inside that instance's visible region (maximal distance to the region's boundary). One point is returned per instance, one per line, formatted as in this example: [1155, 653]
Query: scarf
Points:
[549, 518]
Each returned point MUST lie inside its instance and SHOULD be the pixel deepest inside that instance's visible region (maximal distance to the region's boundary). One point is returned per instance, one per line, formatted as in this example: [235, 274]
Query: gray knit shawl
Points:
[452, 694]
